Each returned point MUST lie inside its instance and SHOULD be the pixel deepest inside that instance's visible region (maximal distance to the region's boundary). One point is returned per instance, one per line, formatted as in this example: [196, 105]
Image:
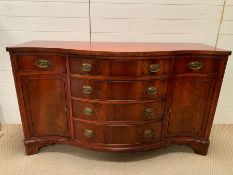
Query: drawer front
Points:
[118, 112]
[118, 90]
[118, 134]
[119, 67]
[196, 65]
[42, 63]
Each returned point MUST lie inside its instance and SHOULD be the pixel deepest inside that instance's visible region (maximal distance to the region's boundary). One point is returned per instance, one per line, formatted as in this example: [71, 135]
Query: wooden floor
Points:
[67, 160]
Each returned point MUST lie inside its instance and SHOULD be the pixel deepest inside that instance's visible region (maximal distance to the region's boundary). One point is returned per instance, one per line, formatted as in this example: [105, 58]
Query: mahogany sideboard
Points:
[117, 97]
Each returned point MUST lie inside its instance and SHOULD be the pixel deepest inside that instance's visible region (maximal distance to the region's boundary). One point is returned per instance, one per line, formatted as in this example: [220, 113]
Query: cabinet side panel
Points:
[19, 92]
[217, 89]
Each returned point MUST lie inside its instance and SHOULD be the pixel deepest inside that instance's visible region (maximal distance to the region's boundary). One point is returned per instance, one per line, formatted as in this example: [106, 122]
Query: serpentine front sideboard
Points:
[117, 97]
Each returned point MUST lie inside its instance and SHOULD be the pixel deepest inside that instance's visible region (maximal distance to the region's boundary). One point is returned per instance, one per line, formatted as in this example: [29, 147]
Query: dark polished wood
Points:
[210, 65]
[116, 46]
[118, 90]
[108, 111]
[121, 67]
[28, 62]
[118, 134]
[45, 101]
[117, 97]
[194, 106]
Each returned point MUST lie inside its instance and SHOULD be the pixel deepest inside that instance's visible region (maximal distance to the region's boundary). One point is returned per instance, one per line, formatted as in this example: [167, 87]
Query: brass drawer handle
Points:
[148, 133]
[195, 65]
[152, 90]
[88, 133]
[86, 67]
[154, 68]
[88, 111]
[150, 112]
[43, 63]
[87, 89]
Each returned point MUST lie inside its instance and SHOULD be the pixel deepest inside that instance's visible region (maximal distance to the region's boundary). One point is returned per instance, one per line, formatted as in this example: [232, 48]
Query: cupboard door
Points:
[46, 105]
[190, 106]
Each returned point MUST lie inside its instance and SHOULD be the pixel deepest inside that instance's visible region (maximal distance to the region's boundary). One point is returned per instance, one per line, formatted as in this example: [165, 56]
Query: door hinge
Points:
[170, 110]
[66, 109]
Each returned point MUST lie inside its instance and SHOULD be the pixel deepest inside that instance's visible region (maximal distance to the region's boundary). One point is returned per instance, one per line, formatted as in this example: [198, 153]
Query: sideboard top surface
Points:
[117, 47]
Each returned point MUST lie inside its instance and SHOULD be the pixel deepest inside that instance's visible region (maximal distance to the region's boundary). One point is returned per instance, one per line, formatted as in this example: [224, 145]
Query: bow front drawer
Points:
[118, 90]
[42, 63]
[118, 134]
[106, 111]
[119, 67]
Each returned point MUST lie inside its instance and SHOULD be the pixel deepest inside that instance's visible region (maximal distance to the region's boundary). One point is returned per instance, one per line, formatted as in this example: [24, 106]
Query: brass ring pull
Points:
[86, 67]
[87, 89]
[43, 63]
[149, 112]
[154, 68]
[152, 90]
[195, 65]
[88, 133]
[148, 133]
[88, 111]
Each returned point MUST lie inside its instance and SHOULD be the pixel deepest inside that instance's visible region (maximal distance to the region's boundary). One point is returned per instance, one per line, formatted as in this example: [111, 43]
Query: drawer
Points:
[117, 134]
[196, 65]
[45, 63]
[119, 67]
[118, 90]
[102, 111]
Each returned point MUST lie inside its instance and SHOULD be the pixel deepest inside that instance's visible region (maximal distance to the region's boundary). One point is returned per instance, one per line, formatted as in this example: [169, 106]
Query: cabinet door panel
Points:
[190, 106]
[45, 105]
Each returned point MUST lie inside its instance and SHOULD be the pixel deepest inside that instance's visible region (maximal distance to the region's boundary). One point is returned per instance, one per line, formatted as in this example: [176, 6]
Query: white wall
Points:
[25, 20]
[114, 20]
[224, 112]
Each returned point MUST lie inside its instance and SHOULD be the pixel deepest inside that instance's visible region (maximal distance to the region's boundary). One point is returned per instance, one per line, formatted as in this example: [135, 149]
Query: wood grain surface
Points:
[126, 97]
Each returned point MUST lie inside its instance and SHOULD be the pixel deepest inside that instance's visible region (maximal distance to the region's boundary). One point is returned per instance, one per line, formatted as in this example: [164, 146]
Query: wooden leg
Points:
[33, 147]
[200, 147]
